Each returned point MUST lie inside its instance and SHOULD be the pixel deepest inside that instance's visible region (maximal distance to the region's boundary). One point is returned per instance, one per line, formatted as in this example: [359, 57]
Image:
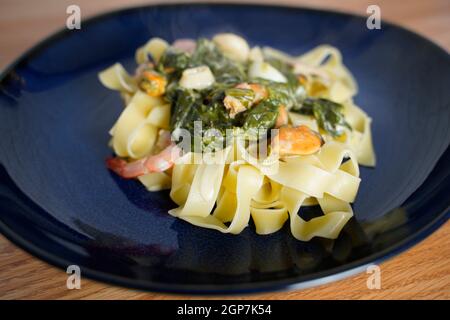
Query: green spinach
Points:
[329, 114]
[224, 69]
[259, 119]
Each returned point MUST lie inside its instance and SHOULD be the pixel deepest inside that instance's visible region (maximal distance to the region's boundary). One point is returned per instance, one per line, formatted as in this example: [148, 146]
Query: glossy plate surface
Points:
[58, 201]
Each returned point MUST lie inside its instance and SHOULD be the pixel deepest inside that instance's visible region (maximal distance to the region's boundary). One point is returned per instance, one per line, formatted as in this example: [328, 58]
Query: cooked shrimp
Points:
[299, 140]
[282, 118]
[164, 140]
[153, 163]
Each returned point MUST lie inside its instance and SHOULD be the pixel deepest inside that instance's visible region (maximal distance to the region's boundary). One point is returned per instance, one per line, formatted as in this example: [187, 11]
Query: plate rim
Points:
[315, 279]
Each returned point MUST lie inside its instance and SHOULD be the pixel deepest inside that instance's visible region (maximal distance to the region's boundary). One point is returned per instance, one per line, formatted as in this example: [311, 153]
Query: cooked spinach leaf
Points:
[279, 93]
[207, 105]
[185, 103]
[224, 69]
[329, 114]
[189, 106]
[244, 96]
[173, 62]
[260, 118]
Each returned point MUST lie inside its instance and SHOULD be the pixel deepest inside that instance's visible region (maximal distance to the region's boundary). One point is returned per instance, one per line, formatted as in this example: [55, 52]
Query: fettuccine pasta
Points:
[242, 135]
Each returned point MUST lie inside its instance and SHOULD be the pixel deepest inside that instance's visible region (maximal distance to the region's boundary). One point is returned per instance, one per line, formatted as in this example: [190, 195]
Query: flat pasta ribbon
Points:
[225, 194]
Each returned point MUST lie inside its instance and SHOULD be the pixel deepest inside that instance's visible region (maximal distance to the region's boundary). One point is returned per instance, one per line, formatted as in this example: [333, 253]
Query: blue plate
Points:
[59, 202]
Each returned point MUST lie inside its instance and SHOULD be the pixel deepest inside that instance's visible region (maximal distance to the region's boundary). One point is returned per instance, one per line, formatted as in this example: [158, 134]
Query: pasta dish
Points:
[242, 135]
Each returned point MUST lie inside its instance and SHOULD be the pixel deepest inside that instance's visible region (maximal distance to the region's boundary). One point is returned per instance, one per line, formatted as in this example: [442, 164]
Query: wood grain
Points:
[420, 273]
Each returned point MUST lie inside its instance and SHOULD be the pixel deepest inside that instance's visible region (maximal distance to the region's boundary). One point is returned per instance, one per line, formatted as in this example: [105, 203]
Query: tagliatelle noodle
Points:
[224, 195]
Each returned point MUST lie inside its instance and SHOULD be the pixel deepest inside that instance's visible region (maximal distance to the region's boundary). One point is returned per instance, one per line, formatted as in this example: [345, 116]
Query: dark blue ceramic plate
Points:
[58, 201]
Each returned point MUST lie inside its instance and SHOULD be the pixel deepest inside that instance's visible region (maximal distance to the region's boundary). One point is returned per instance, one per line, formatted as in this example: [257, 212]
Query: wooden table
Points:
[421, 273]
